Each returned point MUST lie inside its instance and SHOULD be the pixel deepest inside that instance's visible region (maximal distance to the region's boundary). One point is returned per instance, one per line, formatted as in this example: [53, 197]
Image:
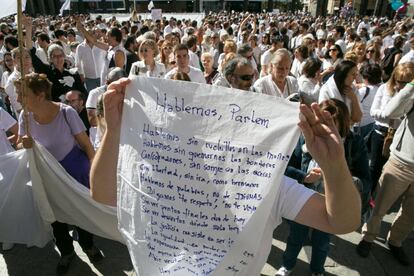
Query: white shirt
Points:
[341, 44]
[195, 74]
[296, 69]
[265, 59]
[194, 60]
[330, 91]
[140, 69]
[366, 103]
[10, 90]
[41, 54]
[381, 99]
[168, 29]
[290, 199]
[93, 97]
[309, 88]
[89, 60]
[408, 57]
[6, 122]
[267, 86]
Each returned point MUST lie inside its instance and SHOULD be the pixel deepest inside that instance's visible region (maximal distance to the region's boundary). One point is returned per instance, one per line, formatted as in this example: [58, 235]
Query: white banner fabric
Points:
[35, 190]
[10, 7]
[198, 173]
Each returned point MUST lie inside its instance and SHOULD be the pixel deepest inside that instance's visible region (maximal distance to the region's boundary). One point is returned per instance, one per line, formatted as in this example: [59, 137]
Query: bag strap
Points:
[366, 93]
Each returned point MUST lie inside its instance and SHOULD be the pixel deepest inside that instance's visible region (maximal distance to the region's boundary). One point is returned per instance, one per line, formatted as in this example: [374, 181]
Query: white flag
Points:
[9, 7]
[65, 6]
[150, 5]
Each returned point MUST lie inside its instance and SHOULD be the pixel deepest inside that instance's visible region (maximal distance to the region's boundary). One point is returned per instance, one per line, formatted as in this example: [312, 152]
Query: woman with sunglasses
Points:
[264, 44]
[333, 57]
[373, 55]
[401, 75]
[166, 56]
[147, 66]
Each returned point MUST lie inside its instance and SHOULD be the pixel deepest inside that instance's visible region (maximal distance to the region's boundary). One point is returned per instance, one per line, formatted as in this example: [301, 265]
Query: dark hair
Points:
[129, 41]
[341, 72]
[12, 40]
[311, 67]
[115, 32]
[338, 50]
[38, 83]
[59, 33]
[72, 32]
[372, 73]
[180, 47]
[191, 41]
[340, 113]
[43, 37]
[244, 49]
[340, 29]
[304, 51]
[398, 42]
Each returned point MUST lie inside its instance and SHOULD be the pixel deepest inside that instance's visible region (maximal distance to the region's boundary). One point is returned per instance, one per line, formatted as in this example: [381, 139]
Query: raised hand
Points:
[321, 135]
[113, 101]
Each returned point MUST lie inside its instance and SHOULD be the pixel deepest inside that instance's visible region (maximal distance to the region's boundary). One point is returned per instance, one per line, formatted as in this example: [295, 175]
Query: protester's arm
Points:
[339, 210]
[86, 145]
[104, 165]
[90, 37]
[119, 59]
[15, 134]
[401, 103]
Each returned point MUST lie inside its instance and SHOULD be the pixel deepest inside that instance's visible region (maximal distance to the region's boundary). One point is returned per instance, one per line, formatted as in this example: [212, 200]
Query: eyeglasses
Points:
[71, 101]
[245, 77]
[371, 51]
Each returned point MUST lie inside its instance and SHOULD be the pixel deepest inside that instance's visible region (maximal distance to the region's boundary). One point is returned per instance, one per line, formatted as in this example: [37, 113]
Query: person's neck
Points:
[45, 111]
[208, 71]
[150, 63]
[279, 83]
[184, 70]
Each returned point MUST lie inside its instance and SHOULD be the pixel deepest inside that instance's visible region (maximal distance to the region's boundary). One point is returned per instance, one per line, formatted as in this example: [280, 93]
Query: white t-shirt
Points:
[93, 97]
[6, 122]
[267, 86]
[366, 101]
[195, 75]
[140, 69]
[289, 200]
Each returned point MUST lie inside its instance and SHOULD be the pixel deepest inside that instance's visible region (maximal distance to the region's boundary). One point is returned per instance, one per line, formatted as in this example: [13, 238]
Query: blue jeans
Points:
[297, 236]
[92, 83]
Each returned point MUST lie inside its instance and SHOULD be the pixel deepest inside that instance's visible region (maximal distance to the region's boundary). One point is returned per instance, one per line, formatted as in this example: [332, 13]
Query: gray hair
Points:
[244, 49]
[281, 52]
[115, 74]
[232, 65]
[150, 35]
[52, 48]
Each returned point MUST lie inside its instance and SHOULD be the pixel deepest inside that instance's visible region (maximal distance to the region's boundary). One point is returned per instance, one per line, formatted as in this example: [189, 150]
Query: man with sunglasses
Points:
[182, 59]
[239, 73]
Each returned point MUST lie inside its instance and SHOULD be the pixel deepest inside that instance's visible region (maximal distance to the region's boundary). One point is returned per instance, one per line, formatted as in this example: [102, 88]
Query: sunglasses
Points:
[371, 51]
[245, 77]
[169, 48]
[333, 50]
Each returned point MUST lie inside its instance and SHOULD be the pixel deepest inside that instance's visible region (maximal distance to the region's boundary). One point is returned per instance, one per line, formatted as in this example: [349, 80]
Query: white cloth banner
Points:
[36, 191]
[198, 173]
[65, 7]
[10, 7]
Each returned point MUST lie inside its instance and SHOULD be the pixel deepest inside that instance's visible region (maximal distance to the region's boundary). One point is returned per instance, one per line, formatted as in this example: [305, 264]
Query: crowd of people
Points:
[359, 70]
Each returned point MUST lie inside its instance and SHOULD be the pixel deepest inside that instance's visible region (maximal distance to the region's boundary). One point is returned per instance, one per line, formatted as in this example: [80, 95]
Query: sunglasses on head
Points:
[245, 77]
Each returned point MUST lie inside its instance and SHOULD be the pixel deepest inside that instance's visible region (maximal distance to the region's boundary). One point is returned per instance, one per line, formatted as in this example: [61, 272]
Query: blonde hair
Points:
[352, 56]
[231, 45]
[402, 71]
[150, 44]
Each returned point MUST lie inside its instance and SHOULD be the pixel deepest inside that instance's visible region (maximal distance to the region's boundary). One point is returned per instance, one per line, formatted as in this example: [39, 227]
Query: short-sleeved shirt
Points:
[93, 96]
[289, 200]
[6, 122]
[195, 75]
[58, 136]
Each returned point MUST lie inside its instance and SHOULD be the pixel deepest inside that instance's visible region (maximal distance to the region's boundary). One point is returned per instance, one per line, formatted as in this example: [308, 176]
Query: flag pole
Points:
[21, 63]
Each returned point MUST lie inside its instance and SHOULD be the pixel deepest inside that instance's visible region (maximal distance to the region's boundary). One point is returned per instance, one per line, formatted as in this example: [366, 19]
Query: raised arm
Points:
[90, 37]
[103, 169]
[339, 210]
[401, 103]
